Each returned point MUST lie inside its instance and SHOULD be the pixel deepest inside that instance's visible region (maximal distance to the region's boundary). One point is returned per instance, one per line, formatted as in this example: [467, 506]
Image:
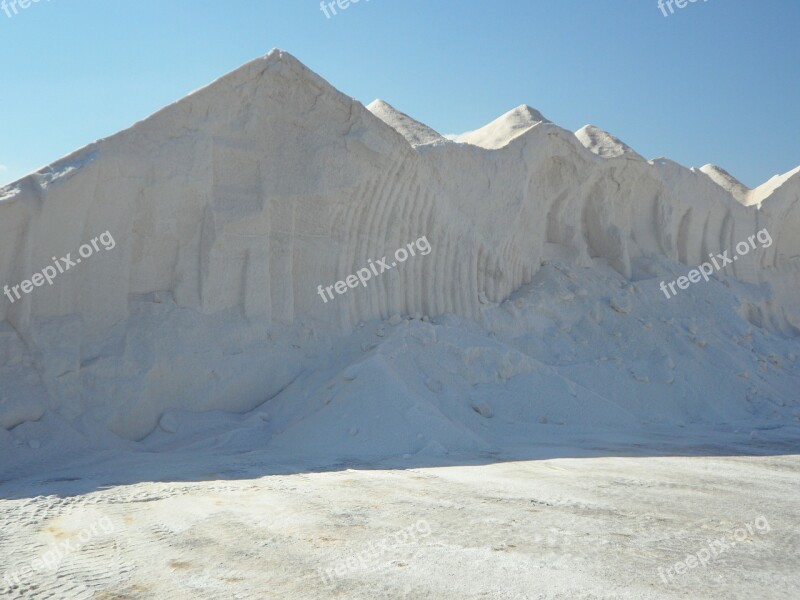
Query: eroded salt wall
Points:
[230, 208]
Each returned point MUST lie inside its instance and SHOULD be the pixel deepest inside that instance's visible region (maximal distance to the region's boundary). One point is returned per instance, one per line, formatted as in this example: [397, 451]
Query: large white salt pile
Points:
[232, 206]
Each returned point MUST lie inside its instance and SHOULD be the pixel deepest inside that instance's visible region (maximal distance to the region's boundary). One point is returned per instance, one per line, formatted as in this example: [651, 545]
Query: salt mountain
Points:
[230, 207]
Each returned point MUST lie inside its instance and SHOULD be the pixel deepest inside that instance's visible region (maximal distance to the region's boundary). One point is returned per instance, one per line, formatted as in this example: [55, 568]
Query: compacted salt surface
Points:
[588, 527]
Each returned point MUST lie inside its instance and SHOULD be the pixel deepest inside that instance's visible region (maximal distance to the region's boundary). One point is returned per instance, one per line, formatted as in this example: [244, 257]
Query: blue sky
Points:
[717, 81]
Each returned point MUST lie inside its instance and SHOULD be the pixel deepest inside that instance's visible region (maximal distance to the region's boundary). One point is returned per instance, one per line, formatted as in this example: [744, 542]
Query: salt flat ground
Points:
[560, 528]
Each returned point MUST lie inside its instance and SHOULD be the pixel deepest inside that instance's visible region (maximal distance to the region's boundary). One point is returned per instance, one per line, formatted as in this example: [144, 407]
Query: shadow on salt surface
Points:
[120, 468]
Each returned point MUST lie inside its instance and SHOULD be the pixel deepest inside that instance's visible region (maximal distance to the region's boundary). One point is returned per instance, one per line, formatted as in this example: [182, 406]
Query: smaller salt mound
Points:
[727, 182]
[503, 130]
[417, 134]
[745, 195]
[767, 189]
[604, 144]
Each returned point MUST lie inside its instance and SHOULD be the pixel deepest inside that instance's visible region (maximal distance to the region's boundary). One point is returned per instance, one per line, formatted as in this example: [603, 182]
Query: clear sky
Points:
[717, 81]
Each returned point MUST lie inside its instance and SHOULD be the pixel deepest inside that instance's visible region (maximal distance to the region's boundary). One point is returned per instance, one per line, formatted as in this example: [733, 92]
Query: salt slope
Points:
[417, 134]
[231, 206]
[578, 352]
[578, 357]
[604, 144]
[727, 181]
